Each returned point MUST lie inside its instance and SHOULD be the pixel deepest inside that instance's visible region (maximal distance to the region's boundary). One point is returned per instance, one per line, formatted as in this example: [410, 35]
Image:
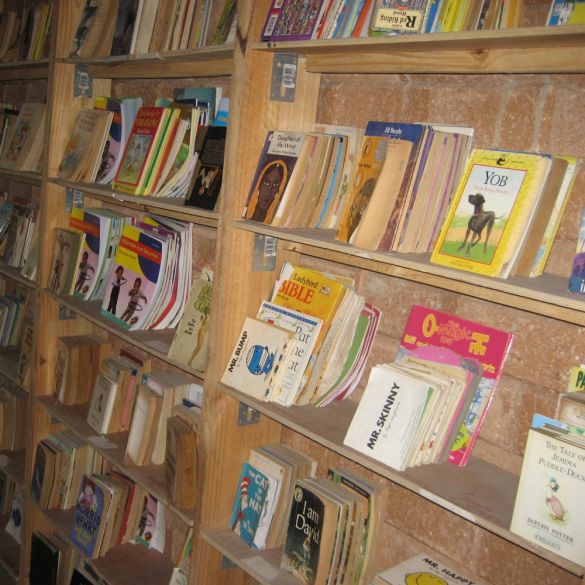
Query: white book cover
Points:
[549, 509]
[253, 364]
[14, 526]
[422, 569]
[306, 330]
[388, 416]
[102, 403]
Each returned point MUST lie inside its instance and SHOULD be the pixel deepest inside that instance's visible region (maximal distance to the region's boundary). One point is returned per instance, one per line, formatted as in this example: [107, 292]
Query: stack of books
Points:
[122, 27]
[26, 36]
[506, 211]
[13, 309]
[438, 385]
[13, 420]
[262, 503]
[23, 147]
[308, 344]
[332, 528]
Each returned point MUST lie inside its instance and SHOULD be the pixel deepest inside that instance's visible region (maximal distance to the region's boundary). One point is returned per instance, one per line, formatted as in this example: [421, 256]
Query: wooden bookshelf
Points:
[127, 563]
[545, 295]
[156, 342]
[9, 364]
[21, 176]
[150, 477]
[168, 207]
[15, 468]
[14, 273]
[24, 70]
[9, 551]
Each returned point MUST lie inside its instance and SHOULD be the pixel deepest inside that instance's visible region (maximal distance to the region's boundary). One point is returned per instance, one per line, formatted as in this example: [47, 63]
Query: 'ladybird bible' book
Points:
[470, 340]
[492, 202]
[549, 509]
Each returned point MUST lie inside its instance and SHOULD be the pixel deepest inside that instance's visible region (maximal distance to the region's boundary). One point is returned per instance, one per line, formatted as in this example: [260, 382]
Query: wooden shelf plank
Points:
[15, 468]
[127, 563]
[21, 176]
[8, 367]
[262, 565]
[545, 295]
[173, 208]
[14, 273]
[156, 342]
[9, 550]
[480, 492]
[24, 70]
[150, 477]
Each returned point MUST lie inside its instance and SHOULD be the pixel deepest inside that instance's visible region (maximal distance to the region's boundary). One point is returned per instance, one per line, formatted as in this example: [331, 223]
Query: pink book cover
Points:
[487, 345]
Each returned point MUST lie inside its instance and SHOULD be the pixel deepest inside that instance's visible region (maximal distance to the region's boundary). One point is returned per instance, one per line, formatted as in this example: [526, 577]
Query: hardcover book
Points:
[249, 502]
[391, 16]
[471, 341]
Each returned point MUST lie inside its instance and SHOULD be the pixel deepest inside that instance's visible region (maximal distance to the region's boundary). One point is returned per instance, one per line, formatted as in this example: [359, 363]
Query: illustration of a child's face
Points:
[119, 272]
[137, 284]
[85, 256]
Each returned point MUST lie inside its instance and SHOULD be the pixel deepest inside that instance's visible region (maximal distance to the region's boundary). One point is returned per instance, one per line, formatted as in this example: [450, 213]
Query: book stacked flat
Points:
[309, 344]
[262, 502]
[110, 27]
[506, 211]
[330, 529]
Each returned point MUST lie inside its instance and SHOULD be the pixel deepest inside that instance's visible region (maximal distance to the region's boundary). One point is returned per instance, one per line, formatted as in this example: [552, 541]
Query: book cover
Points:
[14, 526]
[256, 358]
[277, 162]
[301, 553]
[88, 269]
[392, 16]
[23, 374]
[65, 254]
[102, 403]
[486, 209]
[123, 32]
[90, 510]
[470, 340]
[548, 510]
[190, 342]
[136, 277]
[112, 153]
[139, 148]
[423, 569]
[296, 20]
[248, 504]
[19, 140]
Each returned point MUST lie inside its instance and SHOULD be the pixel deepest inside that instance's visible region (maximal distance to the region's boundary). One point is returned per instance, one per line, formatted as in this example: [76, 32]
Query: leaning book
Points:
[549, 509]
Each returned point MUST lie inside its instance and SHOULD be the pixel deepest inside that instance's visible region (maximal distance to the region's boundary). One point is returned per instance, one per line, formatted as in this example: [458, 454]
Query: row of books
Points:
[416, 188]
[104, 255]
[26, 36]
[19, 233]
[547, 510]
[23, 138]
[158, 151]
[308, 344]
[125, 27]
[438, 385]
[13, 420]
[342, 19]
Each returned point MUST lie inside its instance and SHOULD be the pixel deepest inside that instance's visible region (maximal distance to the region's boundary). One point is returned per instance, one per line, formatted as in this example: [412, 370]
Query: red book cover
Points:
[487, 345]
[139, 149]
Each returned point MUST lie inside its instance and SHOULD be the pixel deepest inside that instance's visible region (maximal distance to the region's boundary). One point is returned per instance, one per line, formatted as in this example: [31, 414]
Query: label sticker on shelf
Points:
[55, 420]
[262, 568]
[73, 198]
[82, 83]
[264, 258]
[448, 505]
[102, 442]
[284, 77]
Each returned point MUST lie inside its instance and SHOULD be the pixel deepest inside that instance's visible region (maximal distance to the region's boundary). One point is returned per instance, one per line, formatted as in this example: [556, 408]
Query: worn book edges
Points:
[189, 345]
[275, 167]
[102, 403]
[259, 353]
[470, 340]
[68, 245]
[249, 502]
[487, 208]
[143, 428]
[181, 460]
[23, 133]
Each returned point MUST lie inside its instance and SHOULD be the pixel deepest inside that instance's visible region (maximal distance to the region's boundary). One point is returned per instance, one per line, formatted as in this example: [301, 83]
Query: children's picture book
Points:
[486, 211]
[190, 342]
[296, 20]
[577, 278]
[397, 16]
[470, 340]
[19, 140]
[102, 403]
[68, 245]
[279, 156]
[90, 518]
[111, 154]
[421, 569]
[248, 504]
[136, 277]
[23, 373]
[548, 510]
[151, 525]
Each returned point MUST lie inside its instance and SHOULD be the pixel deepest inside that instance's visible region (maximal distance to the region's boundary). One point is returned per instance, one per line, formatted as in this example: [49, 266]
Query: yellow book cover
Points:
[486, 208]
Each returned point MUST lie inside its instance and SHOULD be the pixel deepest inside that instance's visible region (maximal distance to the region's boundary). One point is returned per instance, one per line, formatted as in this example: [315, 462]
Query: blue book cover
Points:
[89, 512]
[249, 503]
